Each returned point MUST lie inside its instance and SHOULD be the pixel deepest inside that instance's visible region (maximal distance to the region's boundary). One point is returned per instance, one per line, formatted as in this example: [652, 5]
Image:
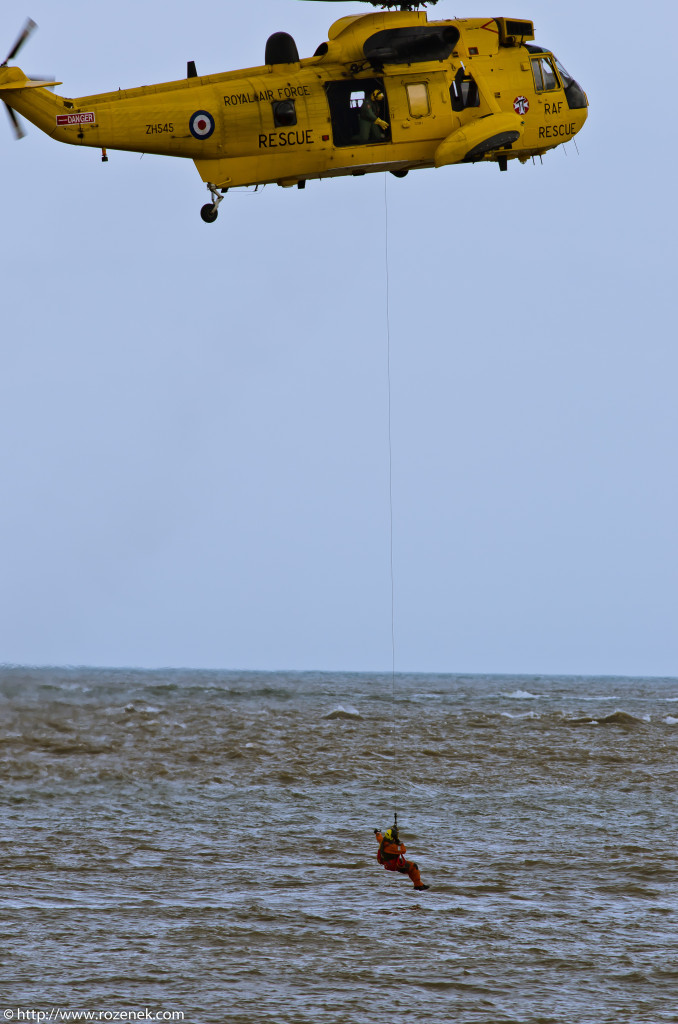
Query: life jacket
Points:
[389, 852]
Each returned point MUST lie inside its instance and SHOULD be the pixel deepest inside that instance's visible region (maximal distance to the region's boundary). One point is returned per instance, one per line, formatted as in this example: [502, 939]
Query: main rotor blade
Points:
[27, 30]
[412, 5]
[18, 130]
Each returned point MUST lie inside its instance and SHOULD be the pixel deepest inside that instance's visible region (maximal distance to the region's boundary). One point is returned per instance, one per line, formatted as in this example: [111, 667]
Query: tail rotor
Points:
[25, 34]
[19, 133]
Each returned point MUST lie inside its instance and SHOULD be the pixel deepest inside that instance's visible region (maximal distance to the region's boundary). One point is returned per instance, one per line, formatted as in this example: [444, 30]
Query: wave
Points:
[521, 695]
[622, 718]
[343, 712]
[619, 718]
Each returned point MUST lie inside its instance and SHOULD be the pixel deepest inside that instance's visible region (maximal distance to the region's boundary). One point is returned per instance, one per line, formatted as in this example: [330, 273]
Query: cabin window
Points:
[464, 92]
[417, 99]
[545, 78]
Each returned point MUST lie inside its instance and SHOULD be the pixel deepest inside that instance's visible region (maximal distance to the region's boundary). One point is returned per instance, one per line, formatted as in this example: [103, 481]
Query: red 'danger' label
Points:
[63, 119]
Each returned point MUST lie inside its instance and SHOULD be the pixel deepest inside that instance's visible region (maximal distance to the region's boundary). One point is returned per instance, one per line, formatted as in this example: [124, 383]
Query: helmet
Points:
[377, 95]
[388, 834]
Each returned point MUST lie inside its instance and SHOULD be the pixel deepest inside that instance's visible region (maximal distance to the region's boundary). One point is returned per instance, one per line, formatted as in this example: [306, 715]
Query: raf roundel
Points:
[521, 104]
[201, 124]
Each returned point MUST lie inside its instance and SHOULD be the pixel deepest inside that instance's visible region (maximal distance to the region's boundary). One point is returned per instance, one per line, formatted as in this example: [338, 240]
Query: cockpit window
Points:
[545, 77]
[574, 94]
[567, 78]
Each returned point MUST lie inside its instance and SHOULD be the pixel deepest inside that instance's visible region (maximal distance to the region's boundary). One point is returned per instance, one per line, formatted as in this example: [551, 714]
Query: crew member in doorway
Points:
[391, 855]
[372, 127]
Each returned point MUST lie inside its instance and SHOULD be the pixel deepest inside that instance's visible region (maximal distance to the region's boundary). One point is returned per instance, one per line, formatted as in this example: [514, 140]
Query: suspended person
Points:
[391, 855]
[372, 127]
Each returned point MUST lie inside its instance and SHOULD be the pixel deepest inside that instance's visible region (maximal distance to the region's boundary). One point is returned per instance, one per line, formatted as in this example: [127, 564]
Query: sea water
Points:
[199, 845]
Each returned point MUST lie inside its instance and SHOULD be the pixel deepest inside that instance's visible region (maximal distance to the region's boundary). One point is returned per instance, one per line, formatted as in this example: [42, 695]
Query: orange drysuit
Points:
[390, 855]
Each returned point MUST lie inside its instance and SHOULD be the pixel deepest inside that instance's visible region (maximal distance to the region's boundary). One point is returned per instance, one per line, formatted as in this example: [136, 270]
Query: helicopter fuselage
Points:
[465, 90]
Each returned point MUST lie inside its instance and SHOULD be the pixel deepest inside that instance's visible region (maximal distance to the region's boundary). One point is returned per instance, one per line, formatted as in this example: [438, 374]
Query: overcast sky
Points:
[194, 418]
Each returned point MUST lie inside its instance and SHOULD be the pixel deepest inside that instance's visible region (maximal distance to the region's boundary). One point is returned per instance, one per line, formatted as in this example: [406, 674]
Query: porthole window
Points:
[284, 114]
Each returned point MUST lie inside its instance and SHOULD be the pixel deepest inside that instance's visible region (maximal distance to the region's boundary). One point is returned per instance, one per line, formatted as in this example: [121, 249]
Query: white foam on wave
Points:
[525, 714]
[671, 721]
[522, 695]
[341, 711]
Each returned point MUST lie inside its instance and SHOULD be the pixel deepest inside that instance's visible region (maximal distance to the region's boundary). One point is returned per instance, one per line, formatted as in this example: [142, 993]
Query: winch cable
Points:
[390, 503]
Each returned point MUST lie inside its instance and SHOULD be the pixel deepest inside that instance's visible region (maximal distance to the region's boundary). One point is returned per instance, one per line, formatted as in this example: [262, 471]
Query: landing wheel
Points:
[400, 174]
[209, 213]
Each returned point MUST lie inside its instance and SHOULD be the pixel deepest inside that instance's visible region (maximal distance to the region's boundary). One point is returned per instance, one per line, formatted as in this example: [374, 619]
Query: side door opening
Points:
[352, 110]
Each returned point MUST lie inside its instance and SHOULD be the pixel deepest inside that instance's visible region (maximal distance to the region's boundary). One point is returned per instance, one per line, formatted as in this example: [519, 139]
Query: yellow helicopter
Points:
[389, 91]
